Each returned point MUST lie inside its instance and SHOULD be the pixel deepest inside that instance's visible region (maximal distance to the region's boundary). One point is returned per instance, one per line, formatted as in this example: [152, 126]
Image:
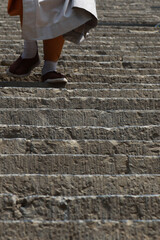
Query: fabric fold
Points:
[47, 19]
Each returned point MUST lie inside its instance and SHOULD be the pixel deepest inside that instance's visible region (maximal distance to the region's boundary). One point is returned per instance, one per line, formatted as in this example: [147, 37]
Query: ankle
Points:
[49, 66]
[30, 49]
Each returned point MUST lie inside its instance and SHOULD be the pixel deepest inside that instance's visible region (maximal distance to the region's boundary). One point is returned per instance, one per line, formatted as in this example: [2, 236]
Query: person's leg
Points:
[30, 48]
[29, 59]
[52, 50]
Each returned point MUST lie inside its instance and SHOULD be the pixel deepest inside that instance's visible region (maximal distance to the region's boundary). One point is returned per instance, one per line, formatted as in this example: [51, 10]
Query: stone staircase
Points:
[83, 162]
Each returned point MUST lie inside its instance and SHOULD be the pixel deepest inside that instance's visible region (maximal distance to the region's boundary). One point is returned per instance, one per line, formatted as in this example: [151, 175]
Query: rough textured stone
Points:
[83, 163]
[104, 104]
[151, 132]
[104, 147]
[78, 164]
[80, 230]
[63, 117]
[119, 207]
[73, 185]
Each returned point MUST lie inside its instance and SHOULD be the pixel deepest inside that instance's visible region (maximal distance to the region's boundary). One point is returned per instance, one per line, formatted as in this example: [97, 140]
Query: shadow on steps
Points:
[32, 84]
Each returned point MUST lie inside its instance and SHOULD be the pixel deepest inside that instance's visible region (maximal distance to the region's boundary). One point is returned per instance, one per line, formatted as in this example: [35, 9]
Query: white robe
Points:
[47, 19]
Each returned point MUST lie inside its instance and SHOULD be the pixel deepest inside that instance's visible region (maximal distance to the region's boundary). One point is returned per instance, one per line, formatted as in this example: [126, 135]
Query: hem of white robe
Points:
[57, 29]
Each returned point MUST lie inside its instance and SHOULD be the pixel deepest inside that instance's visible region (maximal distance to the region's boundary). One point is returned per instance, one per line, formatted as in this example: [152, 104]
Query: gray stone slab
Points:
[96, 103]
[99, 230]
[81, 185]
[104, 147]
[150, 132]
[67, 164]
[79, 164]
[79, 92]
[80, 208]
[68, 118]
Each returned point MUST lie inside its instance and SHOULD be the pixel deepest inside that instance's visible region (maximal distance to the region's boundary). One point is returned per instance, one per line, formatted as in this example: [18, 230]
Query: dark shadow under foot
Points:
[33, 84]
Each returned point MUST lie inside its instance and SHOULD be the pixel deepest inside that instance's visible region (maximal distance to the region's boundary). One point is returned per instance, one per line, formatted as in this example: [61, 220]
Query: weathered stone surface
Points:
[90, 152]
[96, 103]
[151, 132]
[104, 147]
[144, 164]
[67, 164]
[73, 185]
[79, 164]
[80, 230]
[77, 117]
[80, 207]
[107, 93]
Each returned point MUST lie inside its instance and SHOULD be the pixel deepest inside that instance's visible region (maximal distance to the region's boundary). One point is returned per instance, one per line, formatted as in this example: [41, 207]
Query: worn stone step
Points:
[105, 64]
[80, 230]
[150, 132]
[72, 164]
[131, 38]
[111, 41]
[69, 57]
[128, 36]
[95, 57]
[112, 80]
[78, 164]
[122, 53]
[134, 72]
[33, 84]
[103, 47]
[79, 185]
[119, 207]
[125, 43]
[57, 146]
[79, 92]
[103, 104]
[65, 118]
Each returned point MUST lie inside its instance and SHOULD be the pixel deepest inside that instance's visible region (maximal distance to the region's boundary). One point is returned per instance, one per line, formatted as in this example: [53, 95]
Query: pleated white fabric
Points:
[47, 19]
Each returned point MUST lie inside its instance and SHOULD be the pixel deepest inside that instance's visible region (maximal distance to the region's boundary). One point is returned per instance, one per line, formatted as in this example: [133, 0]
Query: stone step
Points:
[103, 64]
[103, 104]
[104, 55]
[79, 92]
[128, 36]
[78, 164]
[126, 39]
[77, 80]
[95, 57]
[124, 84]
[150, 132]
[79, 185]
[106, 207]
[80, 230]
[122, 53]
[57, 146]
[134, 72]
[68, 118]
[87, 80]
[92, 47]
[8, 56]
[104, 36]
[69, 57]
[101, 40]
